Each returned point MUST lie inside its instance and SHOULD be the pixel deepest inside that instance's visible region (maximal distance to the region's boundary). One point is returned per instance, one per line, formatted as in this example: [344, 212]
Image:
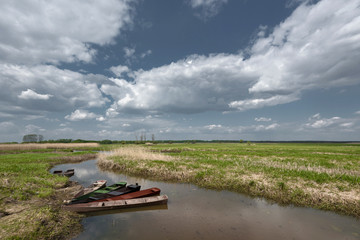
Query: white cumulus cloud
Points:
[207, 8]
[195, 84]
[129, 52]
[263, 119]
[119, 70]
[81, 114]
[31, 94]
[318, 122]
[323, 122]
[330, 127]
[247, 104]
[315, 47]
[35, 31]
[213, 126]
[64, 89]
[266, 127]
[146, 53]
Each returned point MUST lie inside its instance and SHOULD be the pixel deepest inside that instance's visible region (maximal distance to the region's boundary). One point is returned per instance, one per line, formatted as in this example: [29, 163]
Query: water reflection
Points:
[117, 211]
[194, 213]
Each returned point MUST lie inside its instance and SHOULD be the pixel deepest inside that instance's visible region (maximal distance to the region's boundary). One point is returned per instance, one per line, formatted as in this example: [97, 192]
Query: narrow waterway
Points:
[195, 213]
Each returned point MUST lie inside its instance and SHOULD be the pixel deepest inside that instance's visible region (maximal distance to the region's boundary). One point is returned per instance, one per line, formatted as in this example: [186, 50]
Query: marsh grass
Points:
[324, 176]
[136, 153]
[29, 195]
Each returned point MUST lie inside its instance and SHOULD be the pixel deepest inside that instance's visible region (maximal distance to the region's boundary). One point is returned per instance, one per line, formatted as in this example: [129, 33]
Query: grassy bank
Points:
[31, 197]
[323, 176]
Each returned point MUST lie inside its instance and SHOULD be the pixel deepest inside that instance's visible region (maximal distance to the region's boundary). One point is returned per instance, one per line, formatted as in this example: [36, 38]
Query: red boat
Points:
[138, 194]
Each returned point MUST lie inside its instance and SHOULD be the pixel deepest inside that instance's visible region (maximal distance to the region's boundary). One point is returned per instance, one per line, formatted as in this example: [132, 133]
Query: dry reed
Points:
[76, 158]
[136, 153]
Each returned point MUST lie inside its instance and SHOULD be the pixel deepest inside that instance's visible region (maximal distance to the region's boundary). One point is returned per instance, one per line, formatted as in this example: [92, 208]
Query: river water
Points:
[196, 213]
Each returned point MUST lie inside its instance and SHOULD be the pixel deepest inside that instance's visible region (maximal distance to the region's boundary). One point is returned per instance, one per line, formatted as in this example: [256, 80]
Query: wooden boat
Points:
[117, 204]
[94, 186]
[85, 198]
[67, 173]
[116, 193]
[138, 194]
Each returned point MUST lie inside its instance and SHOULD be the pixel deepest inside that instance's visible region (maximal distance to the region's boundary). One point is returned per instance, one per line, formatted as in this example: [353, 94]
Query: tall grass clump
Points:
[136, 153]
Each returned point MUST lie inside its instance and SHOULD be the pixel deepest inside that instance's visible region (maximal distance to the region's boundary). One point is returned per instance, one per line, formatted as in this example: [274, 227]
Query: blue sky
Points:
[191, 69]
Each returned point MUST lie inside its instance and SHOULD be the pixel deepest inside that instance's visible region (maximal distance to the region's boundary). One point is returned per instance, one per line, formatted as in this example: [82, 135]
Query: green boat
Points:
[84, 198]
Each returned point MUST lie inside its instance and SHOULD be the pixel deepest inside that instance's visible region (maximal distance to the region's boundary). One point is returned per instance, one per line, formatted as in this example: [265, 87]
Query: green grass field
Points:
[324, 176]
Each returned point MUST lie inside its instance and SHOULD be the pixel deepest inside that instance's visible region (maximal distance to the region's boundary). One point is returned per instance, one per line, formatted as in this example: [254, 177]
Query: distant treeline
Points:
[107, 141]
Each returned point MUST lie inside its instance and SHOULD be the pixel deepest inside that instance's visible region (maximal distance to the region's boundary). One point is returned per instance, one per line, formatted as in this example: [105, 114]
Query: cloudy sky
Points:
[185, 69]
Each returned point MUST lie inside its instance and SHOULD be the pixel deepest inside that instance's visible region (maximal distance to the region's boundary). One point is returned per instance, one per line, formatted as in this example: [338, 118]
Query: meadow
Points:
[323, 176]
[31, 197]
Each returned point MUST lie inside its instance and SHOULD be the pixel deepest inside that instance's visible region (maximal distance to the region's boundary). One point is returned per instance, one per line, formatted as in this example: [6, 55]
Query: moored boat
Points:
[138, 194]
[58, 172]
[69, 172]
[105, 190]
[119, 192]
[93, 187]
[117, 204]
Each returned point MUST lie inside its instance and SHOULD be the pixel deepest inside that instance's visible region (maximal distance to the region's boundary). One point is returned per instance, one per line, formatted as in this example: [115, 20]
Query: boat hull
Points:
[117, 204]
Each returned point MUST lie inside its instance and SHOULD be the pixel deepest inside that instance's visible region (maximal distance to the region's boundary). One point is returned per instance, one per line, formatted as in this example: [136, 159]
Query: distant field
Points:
[33, 146]
[324, 176]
